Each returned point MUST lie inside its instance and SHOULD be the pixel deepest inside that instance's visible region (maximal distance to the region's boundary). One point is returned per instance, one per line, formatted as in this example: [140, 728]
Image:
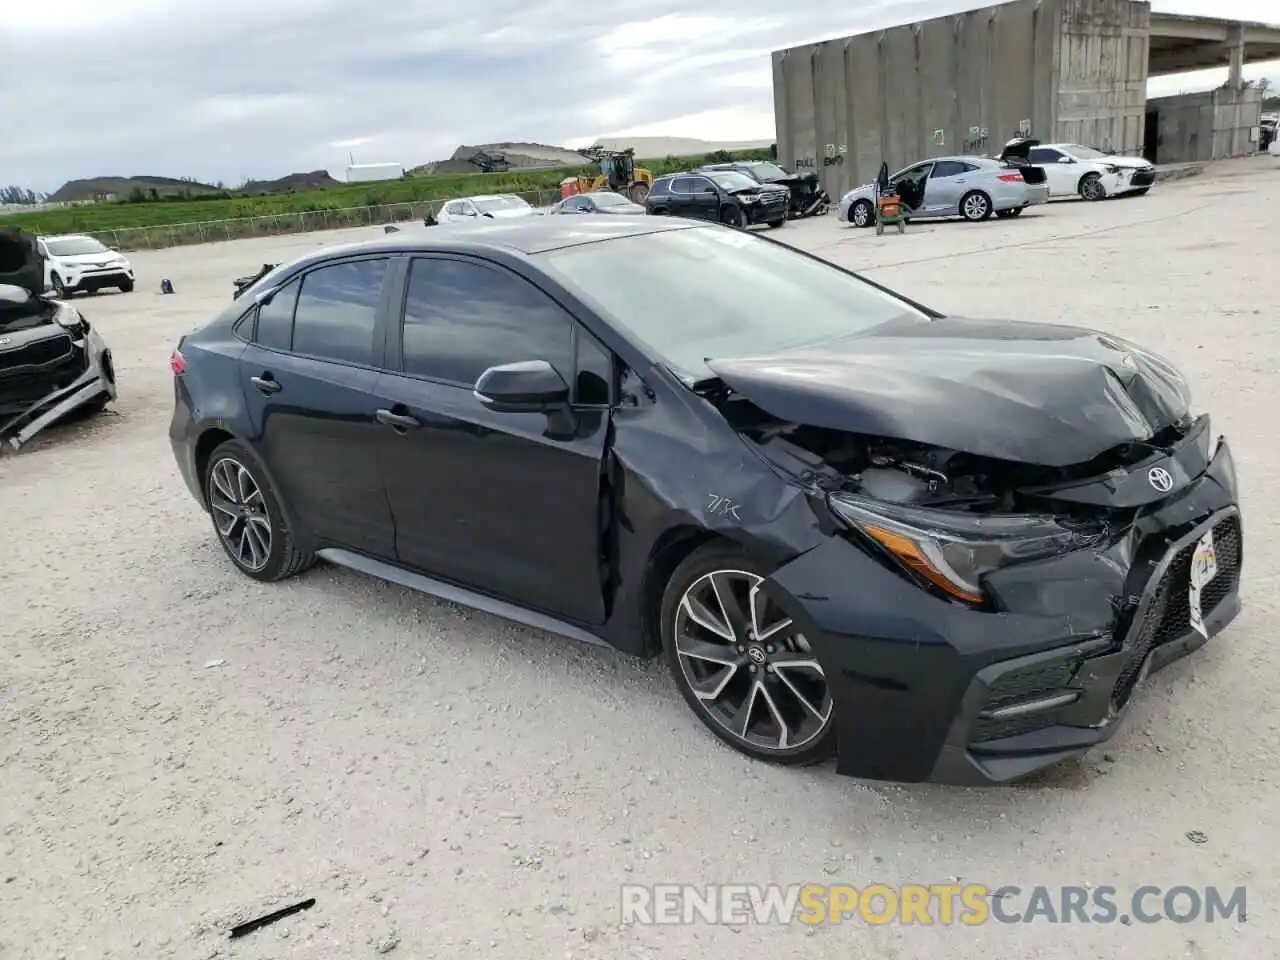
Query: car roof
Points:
[525, 235]
[490, 196]
[70, 236]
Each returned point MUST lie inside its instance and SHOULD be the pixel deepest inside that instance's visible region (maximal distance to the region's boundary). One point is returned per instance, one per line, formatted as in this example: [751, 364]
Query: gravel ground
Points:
[448, 785]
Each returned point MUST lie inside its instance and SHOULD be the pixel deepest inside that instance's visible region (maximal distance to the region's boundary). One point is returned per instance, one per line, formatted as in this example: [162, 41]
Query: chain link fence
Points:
[211, 231]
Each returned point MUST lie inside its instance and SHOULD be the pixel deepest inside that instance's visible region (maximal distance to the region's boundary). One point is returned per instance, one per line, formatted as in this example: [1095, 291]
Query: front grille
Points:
[36, 354]
[1018, 686]
[1144, 178]
[1169, 616]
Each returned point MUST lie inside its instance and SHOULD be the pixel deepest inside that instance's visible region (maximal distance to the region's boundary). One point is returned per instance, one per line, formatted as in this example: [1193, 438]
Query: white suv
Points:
[74, 262]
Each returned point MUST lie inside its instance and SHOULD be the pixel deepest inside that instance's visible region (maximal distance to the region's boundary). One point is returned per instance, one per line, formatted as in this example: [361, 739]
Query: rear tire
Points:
[244, 507]
[862, 214]
[1007, 214]
[638, 192]
[975, 207]
[732, 568]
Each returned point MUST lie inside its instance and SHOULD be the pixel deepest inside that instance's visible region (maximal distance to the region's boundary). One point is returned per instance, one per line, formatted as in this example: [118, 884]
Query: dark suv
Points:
[725, 196]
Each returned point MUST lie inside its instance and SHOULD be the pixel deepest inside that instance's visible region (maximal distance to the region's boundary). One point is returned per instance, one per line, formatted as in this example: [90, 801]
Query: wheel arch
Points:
[214, 436]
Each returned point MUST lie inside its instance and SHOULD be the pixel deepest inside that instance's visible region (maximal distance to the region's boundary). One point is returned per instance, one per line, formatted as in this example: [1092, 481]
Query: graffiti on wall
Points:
[832, 156]
[976, 140]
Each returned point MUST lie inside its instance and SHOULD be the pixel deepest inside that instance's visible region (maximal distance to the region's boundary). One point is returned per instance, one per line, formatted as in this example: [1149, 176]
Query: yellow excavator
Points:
[618, 173]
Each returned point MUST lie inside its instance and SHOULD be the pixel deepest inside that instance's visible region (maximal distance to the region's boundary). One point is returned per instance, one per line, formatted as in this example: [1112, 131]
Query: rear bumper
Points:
[927, 690]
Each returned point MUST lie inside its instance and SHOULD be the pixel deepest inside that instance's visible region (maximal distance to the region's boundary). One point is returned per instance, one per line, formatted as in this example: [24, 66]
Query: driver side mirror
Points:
[529, 386]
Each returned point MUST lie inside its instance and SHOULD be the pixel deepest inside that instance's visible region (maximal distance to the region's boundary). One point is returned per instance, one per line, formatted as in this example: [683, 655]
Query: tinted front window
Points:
[461, 318]
[337, 309]
[682, 185]
[766, 171]
[708, 292]
[275, 319]
[75, 247]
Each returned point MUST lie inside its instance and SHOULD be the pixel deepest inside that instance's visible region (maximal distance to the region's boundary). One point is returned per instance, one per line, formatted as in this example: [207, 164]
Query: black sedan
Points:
[601, 201]
[941, 549]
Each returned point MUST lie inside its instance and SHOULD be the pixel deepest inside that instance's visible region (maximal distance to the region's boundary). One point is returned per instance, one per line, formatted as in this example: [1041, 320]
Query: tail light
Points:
[1011, 177]
[177, 363]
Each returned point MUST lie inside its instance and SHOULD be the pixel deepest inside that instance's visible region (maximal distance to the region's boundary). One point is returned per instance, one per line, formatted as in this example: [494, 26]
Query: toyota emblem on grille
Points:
[1160, 478]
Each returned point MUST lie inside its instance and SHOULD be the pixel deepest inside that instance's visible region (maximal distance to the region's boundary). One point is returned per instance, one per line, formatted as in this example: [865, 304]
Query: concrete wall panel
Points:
[1210, 125]
[869, 103]
[1102, 73]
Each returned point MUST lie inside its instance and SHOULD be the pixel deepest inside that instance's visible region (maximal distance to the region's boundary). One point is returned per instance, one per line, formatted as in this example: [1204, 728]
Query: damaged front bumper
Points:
[21, 421]
[928, 690]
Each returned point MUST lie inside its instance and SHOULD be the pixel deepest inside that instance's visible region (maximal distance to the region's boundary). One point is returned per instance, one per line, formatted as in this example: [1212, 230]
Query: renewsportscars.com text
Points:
[927, 905]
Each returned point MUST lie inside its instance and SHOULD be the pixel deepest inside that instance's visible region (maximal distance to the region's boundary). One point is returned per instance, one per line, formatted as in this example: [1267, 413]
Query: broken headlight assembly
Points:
[954, 551]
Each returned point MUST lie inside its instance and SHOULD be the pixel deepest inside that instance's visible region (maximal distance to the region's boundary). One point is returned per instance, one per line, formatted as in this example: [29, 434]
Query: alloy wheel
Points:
[751, 670]
[861, 213]
[1091, 188]
[975, 206]
[240, 514]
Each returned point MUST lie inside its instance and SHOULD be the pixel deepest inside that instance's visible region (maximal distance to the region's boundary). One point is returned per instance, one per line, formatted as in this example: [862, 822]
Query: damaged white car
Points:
[51, 361]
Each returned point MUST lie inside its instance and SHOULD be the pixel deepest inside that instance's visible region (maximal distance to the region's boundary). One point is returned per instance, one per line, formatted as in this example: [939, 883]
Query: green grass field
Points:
[125, 215]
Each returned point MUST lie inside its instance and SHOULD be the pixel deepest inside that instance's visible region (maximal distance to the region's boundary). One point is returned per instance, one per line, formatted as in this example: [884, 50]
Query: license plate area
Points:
[1204, 567]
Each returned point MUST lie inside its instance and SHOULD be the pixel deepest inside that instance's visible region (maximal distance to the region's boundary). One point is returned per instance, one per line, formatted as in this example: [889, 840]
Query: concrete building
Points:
[1062, 70]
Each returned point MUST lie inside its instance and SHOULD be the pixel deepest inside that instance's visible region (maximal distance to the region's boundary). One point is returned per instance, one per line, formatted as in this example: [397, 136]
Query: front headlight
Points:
[1111, 168]
[954, 551]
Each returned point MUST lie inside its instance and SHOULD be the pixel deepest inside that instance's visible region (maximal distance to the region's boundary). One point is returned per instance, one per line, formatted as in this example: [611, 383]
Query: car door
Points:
[1059, 170]
[509, 504]
[948, 182]
[705, 203]
[682, 199]
[910, 184]
[308, 377]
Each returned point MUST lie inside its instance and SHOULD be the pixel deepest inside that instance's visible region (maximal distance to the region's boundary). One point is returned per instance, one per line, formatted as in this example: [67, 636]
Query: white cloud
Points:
[220, 89]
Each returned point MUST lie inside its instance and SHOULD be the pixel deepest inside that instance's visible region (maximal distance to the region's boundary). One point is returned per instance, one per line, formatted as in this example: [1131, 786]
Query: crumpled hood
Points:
[1031, 393]
[20, 262]
[1128, 163]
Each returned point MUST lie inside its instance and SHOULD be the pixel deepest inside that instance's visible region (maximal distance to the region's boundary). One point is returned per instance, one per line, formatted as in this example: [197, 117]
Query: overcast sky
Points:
[259, 88]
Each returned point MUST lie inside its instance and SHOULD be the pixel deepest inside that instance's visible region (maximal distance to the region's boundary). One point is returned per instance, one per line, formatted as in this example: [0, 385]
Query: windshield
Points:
[1083, 153]
[706, 293]
[767, 171]
[491, 204]
[74, 247]
[731, 179]
[609, 200]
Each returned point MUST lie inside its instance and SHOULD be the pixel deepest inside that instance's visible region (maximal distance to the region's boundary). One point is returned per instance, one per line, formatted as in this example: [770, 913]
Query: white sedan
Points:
[477, 209]
[1076, 171]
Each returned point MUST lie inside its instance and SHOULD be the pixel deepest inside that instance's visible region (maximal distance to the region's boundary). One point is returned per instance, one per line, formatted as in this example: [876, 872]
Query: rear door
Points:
[308, 376]
[947, 183]
[705, 204]
[1059, 171]
[509, 504]
[682, 200]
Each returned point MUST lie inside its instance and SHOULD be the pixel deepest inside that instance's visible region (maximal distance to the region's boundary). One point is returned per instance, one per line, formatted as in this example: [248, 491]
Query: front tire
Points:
[733, 216]
[60, 290]
[247, 517]
[739, 662]
[1091, 187]
[861, 214]
[126, 286]
[975, 206]
[1007, 214]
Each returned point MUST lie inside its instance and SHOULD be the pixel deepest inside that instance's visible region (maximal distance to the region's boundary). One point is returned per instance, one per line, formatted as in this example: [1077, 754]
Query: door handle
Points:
[266, 383]
[400, 421]
[962, 181]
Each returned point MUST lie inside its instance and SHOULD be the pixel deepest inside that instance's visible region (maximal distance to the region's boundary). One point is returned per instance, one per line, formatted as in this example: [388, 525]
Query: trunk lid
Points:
[1031, 393]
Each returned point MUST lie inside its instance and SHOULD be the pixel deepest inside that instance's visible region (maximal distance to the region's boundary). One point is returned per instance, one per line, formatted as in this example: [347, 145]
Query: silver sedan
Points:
[969, 187]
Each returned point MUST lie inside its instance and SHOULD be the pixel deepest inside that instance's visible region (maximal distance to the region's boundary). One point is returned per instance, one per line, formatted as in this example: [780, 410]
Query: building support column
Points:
[1235, 45]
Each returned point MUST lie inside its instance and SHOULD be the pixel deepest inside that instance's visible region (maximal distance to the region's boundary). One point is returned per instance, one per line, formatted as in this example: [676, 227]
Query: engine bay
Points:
[902, 471]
